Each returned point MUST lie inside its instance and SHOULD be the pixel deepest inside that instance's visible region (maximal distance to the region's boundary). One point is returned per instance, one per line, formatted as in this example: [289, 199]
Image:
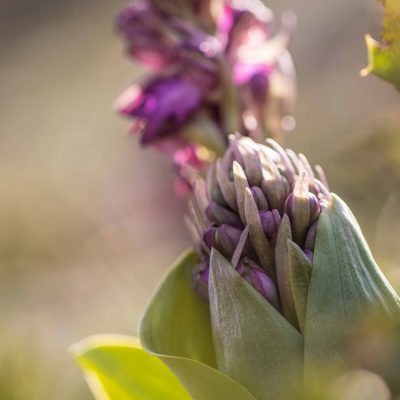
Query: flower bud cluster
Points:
[256, 198]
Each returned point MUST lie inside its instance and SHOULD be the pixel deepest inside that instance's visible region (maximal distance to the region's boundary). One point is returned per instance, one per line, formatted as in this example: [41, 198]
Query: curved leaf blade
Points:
[176, 327]
[204, 382]
[117, 368]
[346, 284]
[176, 321]
[255, 345]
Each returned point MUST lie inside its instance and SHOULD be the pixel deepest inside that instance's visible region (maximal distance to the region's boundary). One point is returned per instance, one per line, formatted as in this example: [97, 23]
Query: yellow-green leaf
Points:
[117, 368]
[384, 59]
[177, 321]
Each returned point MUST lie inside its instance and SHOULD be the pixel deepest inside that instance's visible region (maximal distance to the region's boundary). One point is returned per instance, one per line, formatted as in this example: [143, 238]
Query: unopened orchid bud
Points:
[258, 278]
[209, 237]
[259, 198]
[270, 221]
[227, 239]
[302, 207]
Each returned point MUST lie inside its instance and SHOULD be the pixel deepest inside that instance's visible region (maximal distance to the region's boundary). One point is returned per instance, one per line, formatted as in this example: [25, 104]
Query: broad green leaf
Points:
[255, 345]
[176, 327]
[177, 321]
[384, 59]
[117, 368]
[346, 284]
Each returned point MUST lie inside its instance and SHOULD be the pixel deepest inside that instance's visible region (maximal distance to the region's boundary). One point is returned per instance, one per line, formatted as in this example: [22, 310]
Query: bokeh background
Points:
[89, 221]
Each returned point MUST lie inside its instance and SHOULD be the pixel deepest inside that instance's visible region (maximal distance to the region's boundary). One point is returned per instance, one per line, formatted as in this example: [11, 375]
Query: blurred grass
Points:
[89, 221]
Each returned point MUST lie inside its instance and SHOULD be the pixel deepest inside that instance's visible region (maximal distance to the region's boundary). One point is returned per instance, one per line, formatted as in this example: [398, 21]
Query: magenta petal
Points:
[164, 104]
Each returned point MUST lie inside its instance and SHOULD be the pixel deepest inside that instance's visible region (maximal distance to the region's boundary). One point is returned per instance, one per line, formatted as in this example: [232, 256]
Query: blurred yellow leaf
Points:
[384, 58]
[117, 368]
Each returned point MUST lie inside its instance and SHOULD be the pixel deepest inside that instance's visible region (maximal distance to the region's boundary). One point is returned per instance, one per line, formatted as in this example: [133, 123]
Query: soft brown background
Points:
[89, 221]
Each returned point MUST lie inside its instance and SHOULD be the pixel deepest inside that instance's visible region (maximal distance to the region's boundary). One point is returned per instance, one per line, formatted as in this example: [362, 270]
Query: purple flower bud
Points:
[222, 215]
[270, 221]
[227, 238]
[302, 211]
[259, 279]
[209, 236]
[161, 104]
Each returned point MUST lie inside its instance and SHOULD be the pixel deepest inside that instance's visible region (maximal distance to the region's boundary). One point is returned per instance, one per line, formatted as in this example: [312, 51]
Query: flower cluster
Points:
[256, 198]
[215, 68]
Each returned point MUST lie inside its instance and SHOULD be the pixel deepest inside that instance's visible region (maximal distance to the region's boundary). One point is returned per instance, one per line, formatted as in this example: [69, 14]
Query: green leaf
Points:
[176, 327]
[117, 368]
[384, 59]
[255, 344]
[299, 276]
[177, 321]
[346, 284]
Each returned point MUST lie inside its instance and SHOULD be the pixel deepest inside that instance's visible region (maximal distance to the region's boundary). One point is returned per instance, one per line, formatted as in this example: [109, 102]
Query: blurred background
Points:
[89, 221]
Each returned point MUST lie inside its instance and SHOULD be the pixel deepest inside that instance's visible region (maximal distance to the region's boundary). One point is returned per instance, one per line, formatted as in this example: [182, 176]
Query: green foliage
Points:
[176, 327]
[117, 368]
[254, 343]
[346, 285]
[177, 322]
[384, 59]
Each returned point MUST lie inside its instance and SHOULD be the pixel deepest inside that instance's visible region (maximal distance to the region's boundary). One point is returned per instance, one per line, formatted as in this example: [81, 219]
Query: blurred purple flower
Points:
[216, 69]
[159, 39]
[142, 28]
[161, 105]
